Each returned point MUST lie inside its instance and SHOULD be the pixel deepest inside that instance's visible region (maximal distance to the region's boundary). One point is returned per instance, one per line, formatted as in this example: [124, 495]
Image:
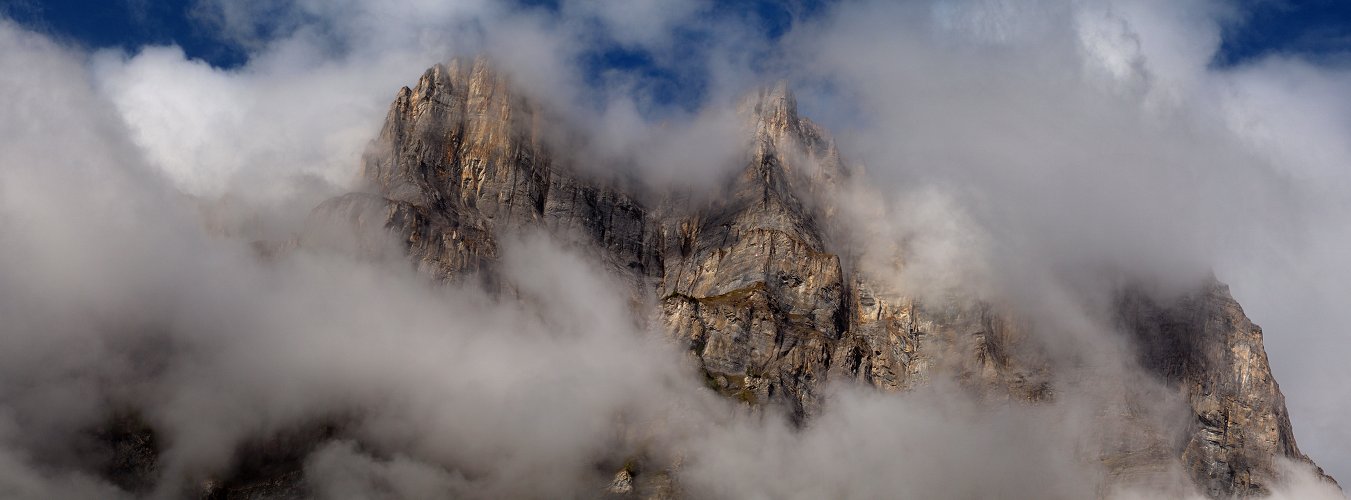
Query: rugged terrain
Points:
[754, 282]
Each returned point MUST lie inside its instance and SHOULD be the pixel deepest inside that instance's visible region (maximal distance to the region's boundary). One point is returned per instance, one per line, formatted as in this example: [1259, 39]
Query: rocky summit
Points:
[749, 283]
[766, 296]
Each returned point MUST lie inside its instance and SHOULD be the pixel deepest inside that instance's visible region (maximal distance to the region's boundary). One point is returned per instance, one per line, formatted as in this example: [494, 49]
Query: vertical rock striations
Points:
[1203, 344]
[751, 284]
[461, 158]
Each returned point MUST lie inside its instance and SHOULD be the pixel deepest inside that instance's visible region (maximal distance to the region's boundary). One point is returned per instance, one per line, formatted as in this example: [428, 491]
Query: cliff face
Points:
[747, 281]
[750, 284]
[1205, 345]
[750, 281]
[461, 158]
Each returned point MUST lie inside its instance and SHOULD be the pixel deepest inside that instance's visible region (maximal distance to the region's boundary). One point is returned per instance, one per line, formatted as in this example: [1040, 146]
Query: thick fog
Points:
[1024, 151]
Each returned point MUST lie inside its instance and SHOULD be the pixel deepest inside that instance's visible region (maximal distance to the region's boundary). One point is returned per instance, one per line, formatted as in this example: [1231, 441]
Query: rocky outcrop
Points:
[753, 283]
[748, 282]
[462, 158]
[1203, 344]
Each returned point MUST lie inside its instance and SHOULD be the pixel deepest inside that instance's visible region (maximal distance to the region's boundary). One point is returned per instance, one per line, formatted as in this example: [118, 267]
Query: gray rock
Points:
[750, 284]
[1203, 344]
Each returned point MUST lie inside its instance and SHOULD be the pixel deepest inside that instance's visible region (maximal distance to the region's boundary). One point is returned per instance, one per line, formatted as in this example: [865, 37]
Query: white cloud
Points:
[1010, 144]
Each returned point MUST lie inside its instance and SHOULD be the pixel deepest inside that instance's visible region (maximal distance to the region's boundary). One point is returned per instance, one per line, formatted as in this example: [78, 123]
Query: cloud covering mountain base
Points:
[1015, 152]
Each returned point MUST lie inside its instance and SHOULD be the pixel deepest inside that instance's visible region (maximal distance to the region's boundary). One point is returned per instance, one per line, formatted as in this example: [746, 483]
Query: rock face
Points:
[462, 158]
[751, 283]
[1204, 344]
[747, 281]
[751, 286]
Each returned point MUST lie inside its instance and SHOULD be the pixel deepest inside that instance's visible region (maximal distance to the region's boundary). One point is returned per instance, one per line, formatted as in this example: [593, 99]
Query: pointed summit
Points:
[762, 282]
[772, 110]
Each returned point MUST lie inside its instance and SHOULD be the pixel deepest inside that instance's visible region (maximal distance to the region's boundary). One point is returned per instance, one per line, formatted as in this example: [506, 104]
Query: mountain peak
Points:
[772, 108]
[770, 308]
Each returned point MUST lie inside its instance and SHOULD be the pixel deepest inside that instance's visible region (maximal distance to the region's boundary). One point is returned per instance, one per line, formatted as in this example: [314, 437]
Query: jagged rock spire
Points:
[750, 287]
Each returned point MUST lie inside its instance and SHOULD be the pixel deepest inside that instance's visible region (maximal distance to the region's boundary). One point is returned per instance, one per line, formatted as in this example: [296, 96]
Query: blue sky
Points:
[129, 24]
[1319, 29]
[1316, 28]
[132, 23]
[1312, 28]
[683, 85]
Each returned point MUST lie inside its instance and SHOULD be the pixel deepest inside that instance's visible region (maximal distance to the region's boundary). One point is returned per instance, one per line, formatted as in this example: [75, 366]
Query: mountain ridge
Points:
[763, 297]
[749, 284]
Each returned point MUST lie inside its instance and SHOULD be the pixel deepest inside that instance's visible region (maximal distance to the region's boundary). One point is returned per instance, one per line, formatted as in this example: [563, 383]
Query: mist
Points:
[1030, 154]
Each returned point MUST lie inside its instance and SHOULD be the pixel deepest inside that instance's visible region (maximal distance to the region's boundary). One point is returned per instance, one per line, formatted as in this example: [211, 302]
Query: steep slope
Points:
[750, 283]
[461, 157]
[1203, 344]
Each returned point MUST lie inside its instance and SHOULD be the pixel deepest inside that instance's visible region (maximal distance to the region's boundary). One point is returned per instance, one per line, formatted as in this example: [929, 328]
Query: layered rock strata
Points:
[751, 285]
[749, 281]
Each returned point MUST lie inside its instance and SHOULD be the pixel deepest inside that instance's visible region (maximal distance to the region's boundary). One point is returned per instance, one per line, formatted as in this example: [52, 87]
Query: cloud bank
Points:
[1014, 146]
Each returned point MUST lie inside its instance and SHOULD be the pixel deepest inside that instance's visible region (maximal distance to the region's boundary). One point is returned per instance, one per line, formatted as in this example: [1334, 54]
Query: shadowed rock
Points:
[748, 280]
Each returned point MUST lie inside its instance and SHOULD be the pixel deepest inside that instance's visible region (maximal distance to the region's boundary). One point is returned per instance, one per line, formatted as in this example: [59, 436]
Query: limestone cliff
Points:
[461, 158]
[750, 284]
[1204, 344]
[751, 281]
